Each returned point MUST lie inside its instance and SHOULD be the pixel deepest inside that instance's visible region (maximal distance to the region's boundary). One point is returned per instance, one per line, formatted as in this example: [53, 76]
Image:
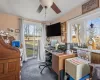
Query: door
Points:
[32, 37]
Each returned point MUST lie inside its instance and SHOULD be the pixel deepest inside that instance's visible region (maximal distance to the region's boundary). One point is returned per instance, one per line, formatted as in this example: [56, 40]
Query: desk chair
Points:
[47, 63]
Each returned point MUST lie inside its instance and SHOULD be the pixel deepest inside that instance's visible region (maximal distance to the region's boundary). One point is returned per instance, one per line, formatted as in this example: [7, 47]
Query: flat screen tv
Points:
[53, 30]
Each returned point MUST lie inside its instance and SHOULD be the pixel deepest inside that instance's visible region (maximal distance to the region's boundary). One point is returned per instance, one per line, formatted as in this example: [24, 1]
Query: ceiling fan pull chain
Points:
[45, 13]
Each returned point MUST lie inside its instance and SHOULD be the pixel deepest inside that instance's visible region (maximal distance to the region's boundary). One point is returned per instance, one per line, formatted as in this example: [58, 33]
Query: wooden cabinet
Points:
[95, 58]
[9, 62]
[9, 69]
[63, 32]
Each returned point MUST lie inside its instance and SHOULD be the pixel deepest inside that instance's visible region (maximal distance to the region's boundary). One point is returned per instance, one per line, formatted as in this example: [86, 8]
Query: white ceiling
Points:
[28, 8]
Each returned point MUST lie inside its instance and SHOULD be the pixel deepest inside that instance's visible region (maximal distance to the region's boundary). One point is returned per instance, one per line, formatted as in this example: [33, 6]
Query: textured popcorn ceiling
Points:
[28, 8]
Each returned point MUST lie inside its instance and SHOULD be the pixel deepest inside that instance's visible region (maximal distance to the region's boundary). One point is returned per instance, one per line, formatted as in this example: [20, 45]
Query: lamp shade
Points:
[47, 3]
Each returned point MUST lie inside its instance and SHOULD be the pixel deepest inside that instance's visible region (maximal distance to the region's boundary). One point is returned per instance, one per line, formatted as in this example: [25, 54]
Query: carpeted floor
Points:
[31, 71]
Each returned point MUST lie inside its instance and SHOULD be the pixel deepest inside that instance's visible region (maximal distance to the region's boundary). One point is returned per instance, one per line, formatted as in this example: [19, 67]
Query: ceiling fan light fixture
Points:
[46, 3]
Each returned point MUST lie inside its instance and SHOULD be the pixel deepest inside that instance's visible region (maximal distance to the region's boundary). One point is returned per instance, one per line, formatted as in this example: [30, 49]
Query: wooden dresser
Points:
[58, 64]
[9, 62]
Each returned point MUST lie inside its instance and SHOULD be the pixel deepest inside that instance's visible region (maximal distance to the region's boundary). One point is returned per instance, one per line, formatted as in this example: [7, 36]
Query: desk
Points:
[58, 63]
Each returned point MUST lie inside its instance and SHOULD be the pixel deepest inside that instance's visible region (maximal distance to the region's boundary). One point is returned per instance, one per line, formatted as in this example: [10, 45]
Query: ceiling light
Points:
[46, 3]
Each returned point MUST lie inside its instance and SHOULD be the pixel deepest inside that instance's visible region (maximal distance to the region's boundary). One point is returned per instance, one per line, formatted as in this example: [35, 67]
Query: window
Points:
[95, 31]
[76, 33]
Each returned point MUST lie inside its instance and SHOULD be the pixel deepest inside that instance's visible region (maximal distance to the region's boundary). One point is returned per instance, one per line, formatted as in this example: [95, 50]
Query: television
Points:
[16, 43]
[53, 30]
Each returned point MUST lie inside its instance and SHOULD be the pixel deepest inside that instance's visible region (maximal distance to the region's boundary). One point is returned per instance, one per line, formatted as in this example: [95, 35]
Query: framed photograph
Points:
[17, 30]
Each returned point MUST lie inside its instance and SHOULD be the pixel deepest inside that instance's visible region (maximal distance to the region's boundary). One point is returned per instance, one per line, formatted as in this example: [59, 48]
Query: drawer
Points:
[12, 77]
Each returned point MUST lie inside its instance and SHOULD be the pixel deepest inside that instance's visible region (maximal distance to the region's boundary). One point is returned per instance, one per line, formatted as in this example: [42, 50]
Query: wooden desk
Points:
[58, 64]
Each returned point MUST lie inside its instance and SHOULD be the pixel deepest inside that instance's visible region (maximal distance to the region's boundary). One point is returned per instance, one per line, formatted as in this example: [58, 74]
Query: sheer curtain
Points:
[24, 56]
[41, 54]
[41, 50]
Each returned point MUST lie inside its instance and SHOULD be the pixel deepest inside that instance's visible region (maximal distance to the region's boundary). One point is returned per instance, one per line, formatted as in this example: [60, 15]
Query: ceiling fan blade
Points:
[39, 9]
[55, 8]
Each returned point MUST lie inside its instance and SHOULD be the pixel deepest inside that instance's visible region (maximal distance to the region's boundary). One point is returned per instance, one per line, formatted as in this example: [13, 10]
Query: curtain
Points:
[41, 52]
[24, 56]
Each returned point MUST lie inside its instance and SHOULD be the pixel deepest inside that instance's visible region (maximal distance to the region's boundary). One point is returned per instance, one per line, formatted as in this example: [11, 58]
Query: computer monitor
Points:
[53, 42]
[16, 43]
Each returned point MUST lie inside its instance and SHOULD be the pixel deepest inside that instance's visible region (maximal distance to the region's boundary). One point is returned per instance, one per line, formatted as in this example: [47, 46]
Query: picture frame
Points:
[89, 6]
[17, 30]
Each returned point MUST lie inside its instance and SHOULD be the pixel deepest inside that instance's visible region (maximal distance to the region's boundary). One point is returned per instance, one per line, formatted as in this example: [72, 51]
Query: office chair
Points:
[47, 63]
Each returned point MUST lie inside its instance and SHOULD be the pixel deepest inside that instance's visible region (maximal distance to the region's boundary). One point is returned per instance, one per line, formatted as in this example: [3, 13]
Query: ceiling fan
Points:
[48, 4]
